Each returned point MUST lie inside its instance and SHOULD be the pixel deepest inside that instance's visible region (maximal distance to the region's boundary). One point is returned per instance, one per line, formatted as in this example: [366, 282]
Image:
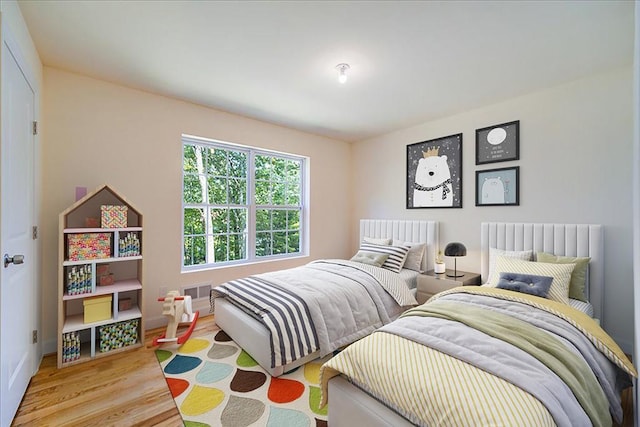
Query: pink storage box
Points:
[102, 269]
[124, 304]
[113, 216]
[106, 280]
[89, 246]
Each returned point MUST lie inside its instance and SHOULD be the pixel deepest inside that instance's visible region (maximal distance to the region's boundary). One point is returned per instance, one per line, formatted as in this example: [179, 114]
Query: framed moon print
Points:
[434, 173]
[498, 143]
[498, 187]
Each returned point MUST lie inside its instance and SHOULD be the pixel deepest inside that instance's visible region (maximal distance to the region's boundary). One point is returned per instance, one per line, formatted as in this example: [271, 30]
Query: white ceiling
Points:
[411, 62]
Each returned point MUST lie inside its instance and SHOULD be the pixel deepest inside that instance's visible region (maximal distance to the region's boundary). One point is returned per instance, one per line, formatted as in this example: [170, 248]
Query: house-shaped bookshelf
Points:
[100, 283]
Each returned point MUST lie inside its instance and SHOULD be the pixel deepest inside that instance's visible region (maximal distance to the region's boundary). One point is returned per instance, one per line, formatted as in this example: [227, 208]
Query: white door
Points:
[17, 280]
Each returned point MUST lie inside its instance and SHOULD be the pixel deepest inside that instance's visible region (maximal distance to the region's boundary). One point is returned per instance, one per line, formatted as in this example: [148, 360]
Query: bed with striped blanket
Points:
[319, 307]
[332, 313]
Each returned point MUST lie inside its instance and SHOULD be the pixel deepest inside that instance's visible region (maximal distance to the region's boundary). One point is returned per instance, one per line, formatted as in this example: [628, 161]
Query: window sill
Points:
[197, 269]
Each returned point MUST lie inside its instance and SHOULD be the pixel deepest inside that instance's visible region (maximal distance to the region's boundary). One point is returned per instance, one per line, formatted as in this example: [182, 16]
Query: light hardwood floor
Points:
[127, 389]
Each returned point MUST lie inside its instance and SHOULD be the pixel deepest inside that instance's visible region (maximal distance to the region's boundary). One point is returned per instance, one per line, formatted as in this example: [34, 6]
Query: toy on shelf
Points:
[178, 309]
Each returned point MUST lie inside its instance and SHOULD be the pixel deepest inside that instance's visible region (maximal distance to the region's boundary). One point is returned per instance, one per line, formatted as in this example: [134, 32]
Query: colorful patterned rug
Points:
[216, 383]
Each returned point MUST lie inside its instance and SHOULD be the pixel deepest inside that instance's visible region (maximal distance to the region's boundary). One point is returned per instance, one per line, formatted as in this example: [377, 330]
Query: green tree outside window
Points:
[235, 195]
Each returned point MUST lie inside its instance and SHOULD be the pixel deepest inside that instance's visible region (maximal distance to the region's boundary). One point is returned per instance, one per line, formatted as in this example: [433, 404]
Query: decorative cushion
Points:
[494, 253]
[578, 276]
[561, 274]
[397, 255]
[415, 255]
[376, 241]
[370, 258]
[526, 283]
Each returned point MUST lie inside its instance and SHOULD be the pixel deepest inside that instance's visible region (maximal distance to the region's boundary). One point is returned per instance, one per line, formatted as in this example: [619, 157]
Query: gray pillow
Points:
[376, 240]
[526, 283]
[415, 255]
[370, 258]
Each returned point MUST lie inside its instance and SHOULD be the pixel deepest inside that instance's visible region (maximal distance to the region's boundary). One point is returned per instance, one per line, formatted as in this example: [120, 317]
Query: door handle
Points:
[16, 259]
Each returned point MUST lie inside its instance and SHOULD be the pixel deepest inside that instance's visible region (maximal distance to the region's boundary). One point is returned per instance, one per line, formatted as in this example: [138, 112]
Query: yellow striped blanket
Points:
[429, 387]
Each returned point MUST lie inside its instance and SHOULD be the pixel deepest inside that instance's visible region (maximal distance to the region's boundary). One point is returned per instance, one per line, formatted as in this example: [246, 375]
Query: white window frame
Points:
[251, 205]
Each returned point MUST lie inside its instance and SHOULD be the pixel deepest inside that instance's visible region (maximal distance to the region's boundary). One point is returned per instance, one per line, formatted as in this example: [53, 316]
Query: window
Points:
[240, 204]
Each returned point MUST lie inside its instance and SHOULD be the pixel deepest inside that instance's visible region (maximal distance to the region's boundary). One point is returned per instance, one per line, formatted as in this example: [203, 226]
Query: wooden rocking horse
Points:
[178, 309]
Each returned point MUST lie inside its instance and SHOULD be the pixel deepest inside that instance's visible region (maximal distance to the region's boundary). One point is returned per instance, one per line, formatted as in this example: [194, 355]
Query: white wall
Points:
[101, 133]
[575, 149]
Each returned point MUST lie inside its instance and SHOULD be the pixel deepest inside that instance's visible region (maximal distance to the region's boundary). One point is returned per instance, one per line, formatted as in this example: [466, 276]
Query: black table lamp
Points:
[455, 249]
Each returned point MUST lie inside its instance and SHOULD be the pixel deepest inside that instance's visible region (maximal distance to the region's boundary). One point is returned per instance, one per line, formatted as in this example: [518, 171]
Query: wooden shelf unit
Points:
[127, 273]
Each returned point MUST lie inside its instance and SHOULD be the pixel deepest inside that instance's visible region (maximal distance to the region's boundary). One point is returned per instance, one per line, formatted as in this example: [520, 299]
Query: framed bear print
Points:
[498, 187]
[434, 173]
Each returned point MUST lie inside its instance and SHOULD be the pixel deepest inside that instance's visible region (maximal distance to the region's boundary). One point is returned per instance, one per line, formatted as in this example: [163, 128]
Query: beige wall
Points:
[101, 133]
[575, 150]
[575, 167]
[12, 18]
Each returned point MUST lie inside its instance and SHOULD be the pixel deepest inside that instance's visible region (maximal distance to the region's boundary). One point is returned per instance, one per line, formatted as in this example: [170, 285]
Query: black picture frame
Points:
[498, 187]
[498, 143]
[439, 183]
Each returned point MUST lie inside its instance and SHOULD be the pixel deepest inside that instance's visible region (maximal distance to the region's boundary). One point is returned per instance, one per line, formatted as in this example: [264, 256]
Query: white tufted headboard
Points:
[578, 240]
[405, 230]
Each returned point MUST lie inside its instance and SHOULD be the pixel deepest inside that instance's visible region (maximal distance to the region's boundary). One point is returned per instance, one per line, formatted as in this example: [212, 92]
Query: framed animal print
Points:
[434, 173]
[498, 187]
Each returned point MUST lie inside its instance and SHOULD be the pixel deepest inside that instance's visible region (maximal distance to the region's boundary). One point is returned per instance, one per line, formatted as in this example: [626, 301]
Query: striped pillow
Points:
[561, 274]
[397, 255]
[494, 253]
[415, 255]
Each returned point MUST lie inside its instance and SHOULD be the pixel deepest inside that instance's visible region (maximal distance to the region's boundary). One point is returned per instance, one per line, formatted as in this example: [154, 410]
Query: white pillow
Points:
[376, 241]
[494, 253]
[397, 255]
[415, 255]
[561, 274]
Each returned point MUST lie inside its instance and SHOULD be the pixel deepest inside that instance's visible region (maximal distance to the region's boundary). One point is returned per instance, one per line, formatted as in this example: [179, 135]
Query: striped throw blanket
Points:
[284, 313]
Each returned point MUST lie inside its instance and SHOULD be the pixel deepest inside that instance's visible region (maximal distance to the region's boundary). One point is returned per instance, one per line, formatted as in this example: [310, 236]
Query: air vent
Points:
[197, 291]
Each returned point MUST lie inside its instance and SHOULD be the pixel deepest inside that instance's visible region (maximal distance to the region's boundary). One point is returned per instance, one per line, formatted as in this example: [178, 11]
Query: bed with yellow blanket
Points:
[476, 356]
[484, 356]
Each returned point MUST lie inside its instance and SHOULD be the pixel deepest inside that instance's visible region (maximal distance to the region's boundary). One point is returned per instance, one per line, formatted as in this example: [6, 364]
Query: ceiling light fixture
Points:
[342, 72]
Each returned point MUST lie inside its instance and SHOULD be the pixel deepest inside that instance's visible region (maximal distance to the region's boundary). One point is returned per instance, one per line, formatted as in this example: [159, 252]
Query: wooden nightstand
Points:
[430, 283]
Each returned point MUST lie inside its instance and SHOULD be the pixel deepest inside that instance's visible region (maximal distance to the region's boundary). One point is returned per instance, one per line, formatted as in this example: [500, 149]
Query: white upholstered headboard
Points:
[583, 240]
[409, 231]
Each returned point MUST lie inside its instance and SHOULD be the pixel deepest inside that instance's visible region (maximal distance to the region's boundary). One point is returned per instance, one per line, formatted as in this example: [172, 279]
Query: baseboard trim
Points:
[201, 305]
